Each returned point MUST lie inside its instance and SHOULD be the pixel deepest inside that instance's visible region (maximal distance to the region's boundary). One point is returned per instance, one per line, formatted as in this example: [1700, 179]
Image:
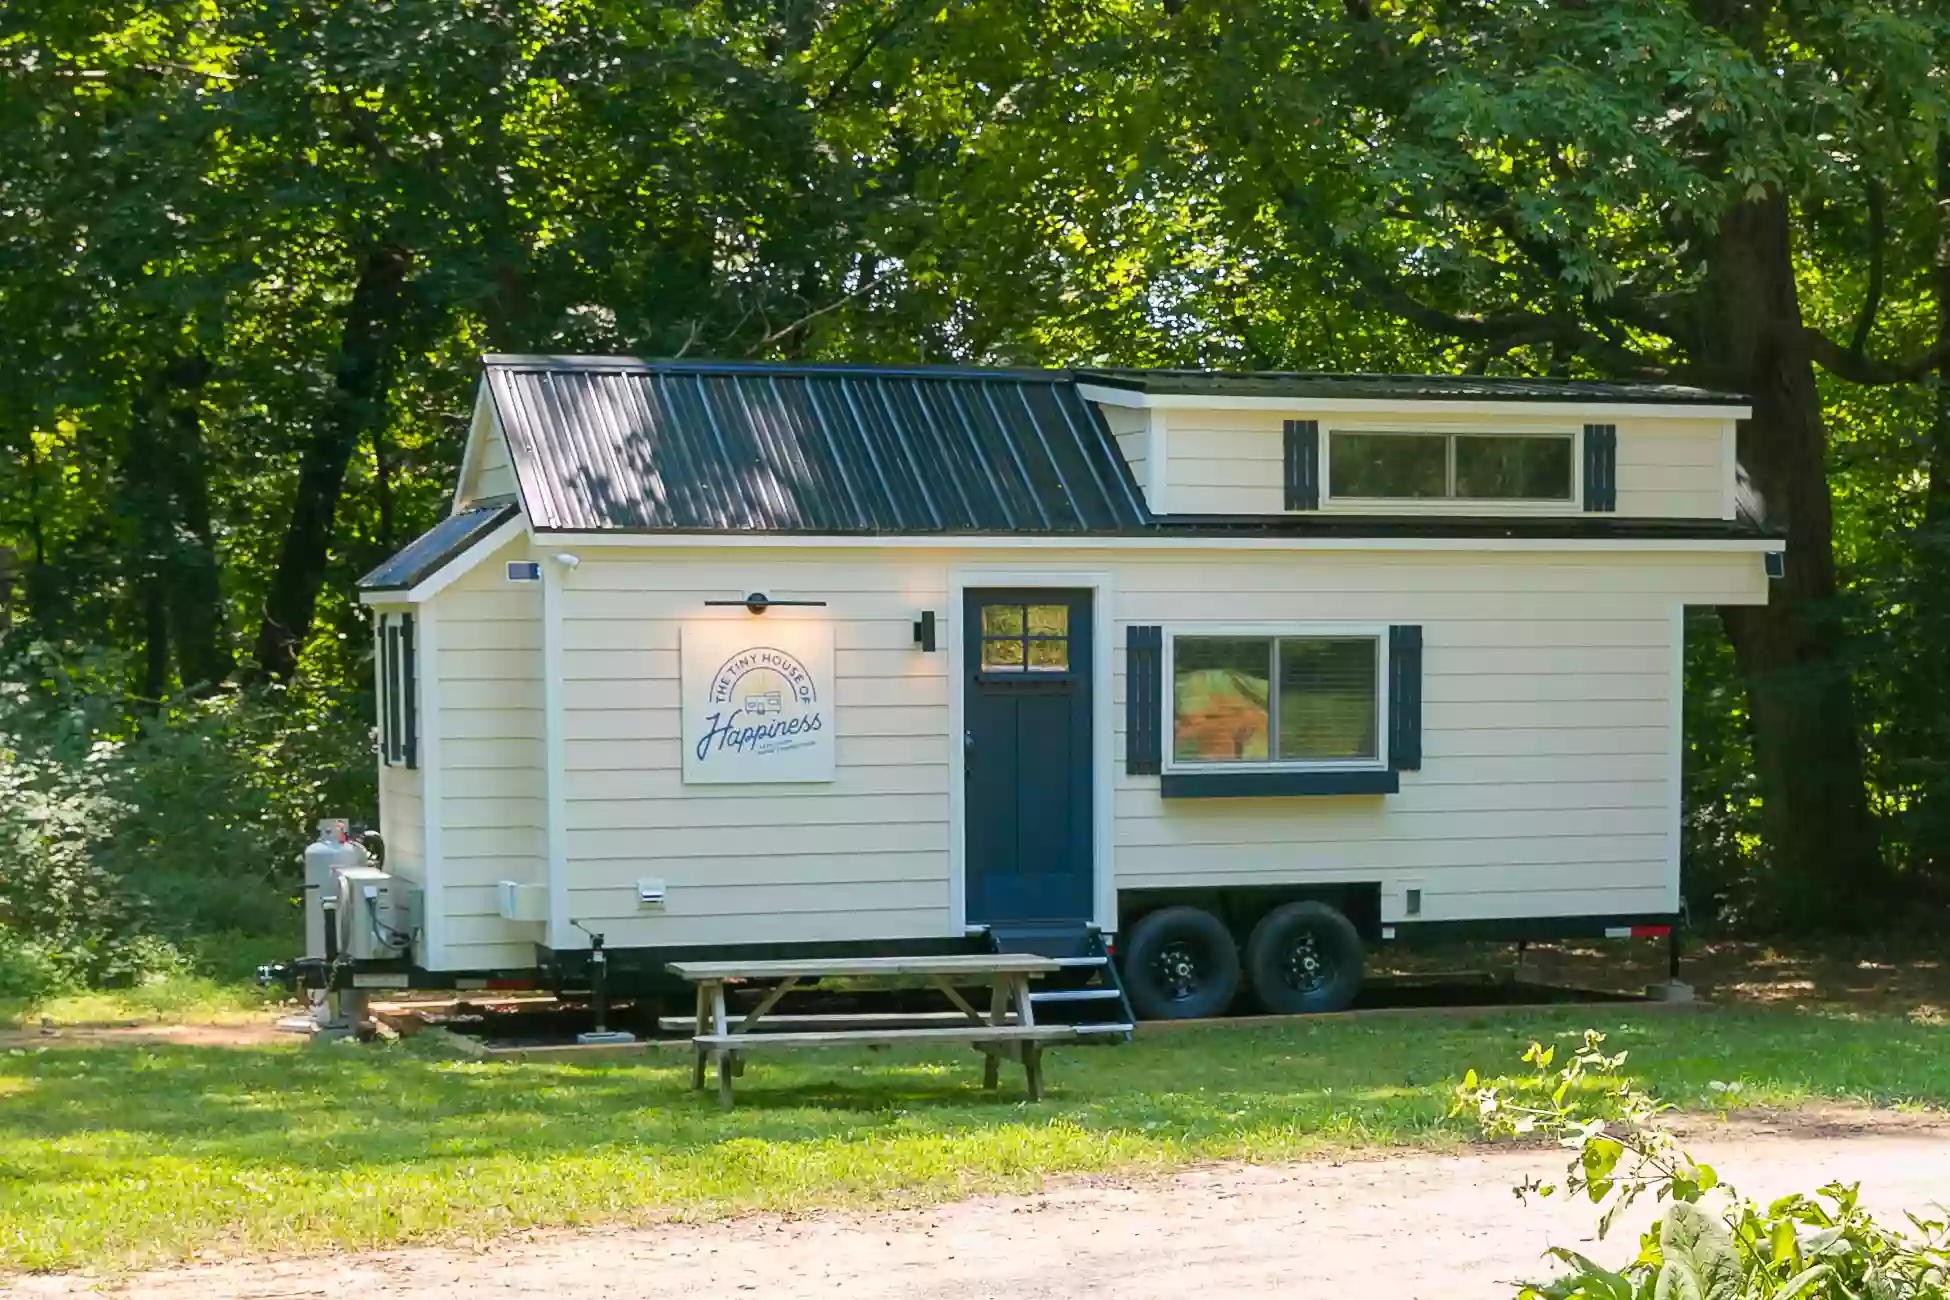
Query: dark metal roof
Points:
[425, 554]
[713, 446]
[1420, 388]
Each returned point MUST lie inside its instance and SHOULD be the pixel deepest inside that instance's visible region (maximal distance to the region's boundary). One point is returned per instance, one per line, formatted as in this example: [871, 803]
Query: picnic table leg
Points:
[718, 1023]
[1032, 1055]
[998, 1015]
[697, 1053]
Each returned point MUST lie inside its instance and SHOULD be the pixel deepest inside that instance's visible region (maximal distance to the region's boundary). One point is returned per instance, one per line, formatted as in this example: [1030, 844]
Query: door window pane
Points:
[1396, 466]
[1049, 656]
[1219, 698]
[1002, 620]
[1513, 467]
[1327, 706]
[1032, 638]
[1049, 620]
[1006, 655]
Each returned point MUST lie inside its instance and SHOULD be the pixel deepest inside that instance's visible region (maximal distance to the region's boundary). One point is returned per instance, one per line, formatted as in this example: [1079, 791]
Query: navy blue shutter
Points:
[1601, 467]
[1303, 464]
[1144, 693]
[408, 692]
[1405, 698]
[389, 717]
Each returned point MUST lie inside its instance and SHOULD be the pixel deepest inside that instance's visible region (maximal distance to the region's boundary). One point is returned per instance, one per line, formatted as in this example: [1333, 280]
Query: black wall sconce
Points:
[758, 602]
[924, 631]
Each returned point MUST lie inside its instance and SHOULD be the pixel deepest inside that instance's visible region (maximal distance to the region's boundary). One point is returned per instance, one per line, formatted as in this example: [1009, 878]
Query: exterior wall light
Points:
[758, 602]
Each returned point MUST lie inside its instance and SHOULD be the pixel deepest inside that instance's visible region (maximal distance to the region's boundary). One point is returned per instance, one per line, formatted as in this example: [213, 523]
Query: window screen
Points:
[1275, 699]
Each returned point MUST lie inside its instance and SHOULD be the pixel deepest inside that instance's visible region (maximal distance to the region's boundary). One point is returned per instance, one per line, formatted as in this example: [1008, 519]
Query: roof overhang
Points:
[1163, 541]
[1425, 405]
[449, 569]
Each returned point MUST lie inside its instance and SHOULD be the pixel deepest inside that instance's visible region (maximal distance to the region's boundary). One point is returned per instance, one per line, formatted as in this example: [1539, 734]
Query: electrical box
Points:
[521, 902]
[375, 914]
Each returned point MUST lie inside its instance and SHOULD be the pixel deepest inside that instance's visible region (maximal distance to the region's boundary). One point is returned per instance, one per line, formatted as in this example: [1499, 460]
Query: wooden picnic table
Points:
[722, 1042]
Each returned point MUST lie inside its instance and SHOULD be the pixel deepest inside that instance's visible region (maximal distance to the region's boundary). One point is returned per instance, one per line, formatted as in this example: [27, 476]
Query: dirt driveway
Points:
[1407, 1227]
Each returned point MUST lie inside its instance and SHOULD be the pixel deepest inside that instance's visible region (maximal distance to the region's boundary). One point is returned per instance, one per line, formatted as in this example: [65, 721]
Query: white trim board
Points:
[1675, 757]
[1103, 736]
[1410, 405]
[479, 427]
[426, 666]
[1085, 544]
[555, 761]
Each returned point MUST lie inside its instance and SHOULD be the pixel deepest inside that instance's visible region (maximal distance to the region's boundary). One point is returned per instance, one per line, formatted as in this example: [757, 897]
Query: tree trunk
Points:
[1827, 869]
[190, 571]
[354, 405]
[1924, 725]
[155, 644]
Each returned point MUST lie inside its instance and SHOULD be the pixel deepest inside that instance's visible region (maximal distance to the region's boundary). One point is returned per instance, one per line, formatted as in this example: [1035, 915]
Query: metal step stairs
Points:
[1086, 992]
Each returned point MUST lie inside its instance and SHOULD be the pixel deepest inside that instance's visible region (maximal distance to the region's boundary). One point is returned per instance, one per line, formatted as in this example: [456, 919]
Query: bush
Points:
[128, 837]
[26, 972]
[1710, 1243]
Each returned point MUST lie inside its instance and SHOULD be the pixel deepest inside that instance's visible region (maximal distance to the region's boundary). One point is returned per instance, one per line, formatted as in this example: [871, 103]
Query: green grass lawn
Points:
[111, 1158]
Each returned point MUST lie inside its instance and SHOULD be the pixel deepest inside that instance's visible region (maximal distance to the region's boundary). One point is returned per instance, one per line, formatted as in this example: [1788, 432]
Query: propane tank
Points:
[322, 859]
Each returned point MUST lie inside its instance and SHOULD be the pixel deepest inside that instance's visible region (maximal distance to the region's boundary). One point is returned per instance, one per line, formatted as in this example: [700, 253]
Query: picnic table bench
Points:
[722, 1042]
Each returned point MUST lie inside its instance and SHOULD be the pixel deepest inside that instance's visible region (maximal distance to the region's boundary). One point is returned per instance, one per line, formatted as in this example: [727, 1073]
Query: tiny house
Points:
[1245, 672]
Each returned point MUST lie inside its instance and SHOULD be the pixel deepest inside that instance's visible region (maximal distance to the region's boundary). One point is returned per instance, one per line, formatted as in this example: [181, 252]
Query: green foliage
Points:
[114, 1159]
[128, 840]
[251, 252]
[1710, 1243]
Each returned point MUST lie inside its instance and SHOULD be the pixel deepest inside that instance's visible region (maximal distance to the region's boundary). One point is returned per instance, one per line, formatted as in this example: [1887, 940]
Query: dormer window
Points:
[1407, 465]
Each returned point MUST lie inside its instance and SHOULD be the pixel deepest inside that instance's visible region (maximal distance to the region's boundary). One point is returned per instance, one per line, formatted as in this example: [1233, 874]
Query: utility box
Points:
[375, 914]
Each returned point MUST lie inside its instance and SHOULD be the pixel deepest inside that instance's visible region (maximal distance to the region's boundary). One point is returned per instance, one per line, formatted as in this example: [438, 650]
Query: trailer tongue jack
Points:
[598, 999]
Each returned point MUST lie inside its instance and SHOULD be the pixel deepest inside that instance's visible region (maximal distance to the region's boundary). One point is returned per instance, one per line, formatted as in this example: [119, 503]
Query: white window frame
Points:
[1449, 505]
[1169, 702]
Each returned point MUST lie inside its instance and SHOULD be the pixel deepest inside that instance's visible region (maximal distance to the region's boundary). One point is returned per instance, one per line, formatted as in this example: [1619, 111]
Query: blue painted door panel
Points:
[1028, 755]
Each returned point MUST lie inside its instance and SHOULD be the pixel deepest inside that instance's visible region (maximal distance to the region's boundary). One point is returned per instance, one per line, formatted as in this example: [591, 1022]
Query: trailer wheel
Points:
[1180, 963]
[1303, 957]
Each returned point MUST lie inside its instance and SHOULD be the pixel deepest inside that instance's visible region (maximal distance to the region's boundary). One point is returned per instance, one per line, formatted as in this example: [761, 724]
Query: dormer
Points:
[1275, 445]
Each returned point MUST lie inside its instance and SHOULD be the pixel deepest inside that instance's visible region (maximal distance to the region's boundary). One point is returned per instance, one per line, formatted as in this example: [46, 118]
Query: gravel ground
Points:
[1411, 1227]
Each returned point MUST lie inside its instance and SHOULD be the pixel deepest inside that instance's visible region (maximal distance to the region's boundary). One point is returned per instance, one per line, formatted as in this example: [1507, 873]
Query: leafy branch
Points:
[1824, 1247]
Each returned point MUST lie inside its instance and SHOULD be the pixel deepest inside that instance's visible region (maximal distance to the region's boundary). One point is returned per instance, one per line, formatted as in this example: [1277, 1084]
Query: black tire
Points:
[1304, 957]
[1180, 963]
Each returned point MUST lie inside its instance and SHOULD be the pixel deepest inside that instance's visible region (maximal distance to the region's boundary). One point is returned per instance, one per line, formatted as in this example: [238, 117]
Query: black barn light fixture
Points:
[758, 602]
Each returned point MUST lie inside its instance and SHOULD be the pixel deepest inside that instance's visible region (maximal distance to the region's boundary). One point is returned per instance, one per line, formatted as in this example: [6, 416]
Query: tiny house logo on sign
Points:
[757, 712]
[764, 702]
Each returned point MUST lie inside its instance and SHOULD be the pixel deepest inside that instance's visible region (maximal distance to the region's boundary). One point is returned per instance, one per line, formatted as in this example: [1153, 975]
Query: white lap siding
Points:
[492, 777]
[1548, 786]
[862, 857]
[1548, 782]
[1232, 462]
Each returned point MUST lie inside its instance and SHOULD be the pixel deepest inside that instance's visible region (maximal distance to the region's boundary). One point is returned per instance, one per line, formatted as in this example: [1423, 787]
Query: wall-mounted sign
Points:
[758, 700]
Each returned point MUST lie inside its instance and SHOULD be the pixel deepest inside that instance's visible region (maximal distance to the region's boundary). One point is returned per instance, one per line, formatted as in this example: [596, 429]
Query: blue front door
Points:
[1028, 755]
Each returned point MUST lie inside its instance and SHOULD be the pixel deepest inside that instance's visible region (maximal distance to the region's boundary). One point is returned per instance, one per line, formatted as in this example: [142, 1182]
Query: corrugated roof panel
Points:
[728, 448]
[712, 446]
[419, 558]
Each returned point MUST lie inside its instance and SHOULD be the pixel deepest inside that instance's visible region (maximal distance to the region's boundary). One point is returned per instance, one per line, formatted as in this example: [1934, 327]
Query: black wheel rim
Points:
[1179, 970]
[1306, 966]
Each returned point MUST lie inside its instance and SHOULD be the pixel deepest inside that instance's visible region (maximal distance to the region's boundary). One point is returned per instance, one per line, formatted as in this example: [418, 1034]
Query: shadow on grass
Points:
[124, 1153]
[1393, 1081]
